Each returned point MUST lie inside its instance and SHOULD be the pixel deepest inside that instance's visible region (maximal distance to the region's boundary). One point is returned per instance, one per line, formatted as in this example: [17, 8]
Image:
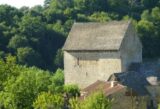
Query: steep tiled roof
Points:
[96, 36]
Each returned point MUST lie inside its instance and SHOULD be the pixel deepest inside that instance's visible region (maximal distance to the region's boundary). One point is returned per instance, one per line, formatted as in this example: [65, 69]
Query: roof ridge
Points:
[93, 36]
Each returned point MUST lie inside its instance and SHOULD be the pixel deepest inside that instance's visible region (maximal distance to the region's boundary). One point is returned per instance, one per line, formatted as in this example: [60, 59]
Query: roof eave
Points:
[83, 50]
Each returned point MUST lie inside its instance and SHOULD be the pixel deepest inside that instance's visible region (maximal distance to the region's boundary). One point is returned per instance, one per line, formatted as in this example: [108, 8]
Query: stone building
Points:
[117, 92]
[95, 51]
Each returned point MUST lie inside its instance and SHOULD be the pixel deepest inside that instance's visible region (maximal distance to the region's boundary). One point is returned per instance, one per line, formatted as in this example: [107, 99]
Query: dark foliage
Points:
[37, 34]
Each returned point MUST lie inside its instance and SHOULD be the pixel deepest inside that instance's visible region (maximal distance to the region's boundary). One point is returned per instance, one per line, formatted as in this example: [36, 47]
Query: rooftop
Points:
[96, 36]
[103, 86]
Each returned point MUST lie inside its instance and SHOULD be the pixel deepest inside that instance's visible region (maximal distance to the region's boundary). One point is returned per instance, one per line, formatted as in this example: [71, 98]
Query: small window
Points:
[77, 61]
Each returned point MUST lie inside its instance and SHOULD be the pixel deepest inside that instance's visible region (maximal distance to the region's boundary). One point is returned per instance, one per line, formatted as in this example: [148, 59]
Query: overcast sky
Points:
[20, 3]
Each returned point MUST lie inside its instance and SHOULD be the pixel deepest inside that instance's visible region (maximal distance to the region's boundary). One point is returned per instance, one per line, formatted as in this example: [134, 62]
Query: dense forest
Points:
[36, 35]
[31, 41]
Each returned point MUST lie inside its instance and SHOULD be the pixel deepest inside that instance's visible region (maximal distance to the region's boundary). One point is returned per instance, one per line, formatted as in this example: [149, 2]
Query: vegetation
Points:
[31, 41]
[28, 88]
[21, 85]
[36, 35]
[49, 101]
[95, 101]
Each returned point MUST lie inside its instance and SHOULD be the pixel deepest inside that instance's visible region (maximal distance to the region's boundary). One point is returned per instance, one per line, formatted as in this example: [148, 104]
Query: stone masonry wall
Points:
[121, 101]
[84, 68]
[131, 49]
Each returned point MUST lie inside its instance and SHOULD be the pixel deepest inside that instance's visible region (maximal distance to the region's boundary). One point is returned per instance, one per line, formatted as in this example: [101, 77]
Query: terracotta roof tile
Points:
[103, 86]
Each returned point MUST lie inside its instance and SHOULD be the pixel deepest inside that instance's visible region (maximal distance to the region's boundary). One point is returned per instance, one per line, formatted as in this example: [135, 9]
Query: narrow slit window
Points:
[77, 61]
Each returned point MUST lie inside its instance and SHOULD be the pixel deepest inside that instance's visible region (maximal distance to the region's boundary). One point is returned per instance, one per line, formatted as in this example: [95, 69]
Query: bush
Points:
[95, 101]
[72, 90]
[49, 101]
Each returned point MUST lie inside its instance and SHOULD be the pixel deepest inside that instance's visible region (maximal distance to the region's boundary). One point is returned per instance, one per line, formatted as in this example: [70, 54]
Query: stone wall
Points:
[84, 68]
[131, 49]
[121, 101]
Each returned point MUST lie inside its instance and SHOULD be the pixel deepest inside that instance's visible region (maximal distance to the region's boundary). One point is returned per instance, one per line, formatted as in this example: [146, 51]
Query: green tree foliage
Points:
[8, 69]
[2, 54]
[148, 29]
[35, 36]
[4, 36]
[28, 56]
[72, 91]
[22, 90]
[119, 6]
[49, 101]
[18, 41]
[150, 3]
[32, 27]
[20, 86]
[8, 13]
[46, 3]
[57, 82]
[96, 101]
[100, 17]
[90, 6]
[58, 60]
[45, 28]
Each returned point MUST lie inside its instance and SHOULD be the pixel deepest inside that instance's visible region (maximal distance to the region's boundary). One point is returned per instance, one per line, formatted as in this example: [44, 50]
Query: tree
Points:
[49, 101]
[90, 6]
[8, 69]
[119, 6]
[28, 56]
[24, 9]
[58, 60]
[3, 37]
[37, 8]
[32, 27]
[100, 17]
[53, 15]
[21, 91]
[148, 29]
[46, 3]
[49, 45]
[18, 41]
[72, 90]
[57, 82]
[45, 28]
[149, 3]
[20, 86]
[2, 54]
[95, 101]
[5, 11]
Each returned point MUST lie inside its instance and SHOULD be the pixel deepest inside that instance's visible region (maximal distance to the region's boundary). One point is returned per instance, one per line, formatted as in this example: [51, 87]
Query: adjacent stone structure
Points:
[95, 51]
[123, 97]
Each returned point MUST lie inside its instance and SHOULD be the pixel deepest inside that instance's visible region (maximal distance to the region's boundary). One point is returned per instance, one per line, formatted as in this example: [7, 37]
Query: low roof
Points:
[96, 36]
[133, 80]
[103, 86]
[137, 74]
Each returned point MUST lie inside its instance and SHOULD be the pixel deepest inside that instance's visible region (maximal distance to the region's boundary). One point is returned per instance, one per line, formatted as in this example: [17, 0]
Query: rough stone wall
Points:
[131, 49]
[121, 101]
[84, 68]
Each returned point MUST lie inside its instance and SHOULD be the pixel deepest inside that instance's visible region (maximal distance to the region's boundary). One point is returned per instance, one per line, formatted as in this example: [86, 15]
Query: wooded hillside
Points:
[36, 35]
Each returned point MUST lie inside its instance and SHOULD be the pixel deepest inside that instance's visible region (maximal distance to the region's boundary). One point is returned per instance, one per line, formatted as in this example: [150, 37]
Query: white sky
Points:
[20, 3]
